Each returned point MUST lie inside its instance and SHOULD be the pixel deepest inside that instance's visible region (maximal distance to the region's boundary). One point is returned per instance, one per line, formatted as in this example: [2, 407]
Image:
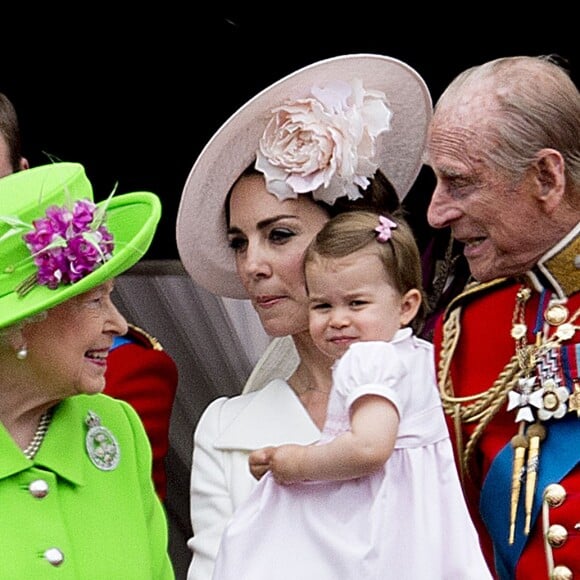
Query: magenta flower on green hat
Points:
[67, 244]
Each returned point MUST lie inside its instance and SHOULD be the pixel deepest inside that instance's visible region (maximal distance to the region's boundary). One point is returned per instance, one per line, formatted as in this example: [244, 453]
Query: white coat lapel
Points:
[273, 416]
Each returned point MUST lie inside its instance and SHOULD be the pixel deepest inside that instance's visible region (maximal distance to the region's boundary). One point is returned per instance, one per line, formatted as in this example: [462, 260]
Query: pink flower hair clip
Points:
[384, 229]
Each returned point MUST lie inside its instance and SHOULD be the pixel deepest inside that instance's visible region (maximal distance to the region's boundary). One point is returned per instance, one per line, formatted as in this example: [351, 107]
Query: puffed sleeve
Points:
[373, 367]
[211, 504]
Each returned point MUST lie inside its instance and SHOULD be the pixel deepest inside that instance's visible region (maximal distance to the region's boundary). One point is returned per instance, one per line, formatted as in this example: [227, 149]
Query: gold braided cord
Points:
[503, 384]
[480, 408]
[450, 340]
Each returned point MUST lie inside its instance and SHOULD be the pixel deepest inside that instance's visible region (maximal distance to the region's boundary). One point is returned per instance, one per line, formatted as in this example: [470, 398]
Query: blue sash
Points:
[559, 454]
[119, 341]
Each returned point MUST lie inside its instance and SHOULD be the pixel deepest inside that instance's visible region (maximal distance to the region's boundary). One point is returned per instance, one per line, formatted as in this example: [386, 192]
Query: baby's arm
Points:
[356, 453]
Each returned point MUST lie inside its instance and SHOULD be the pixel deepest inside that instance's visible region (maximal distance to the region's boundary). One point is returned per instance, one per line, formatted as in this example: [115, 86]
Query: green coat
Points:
[108, 524]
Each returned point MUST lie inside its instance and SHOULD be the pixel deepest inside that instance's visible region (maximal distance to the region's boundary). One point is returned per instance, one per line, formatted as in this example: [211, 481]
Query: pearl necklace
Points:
[39, 435]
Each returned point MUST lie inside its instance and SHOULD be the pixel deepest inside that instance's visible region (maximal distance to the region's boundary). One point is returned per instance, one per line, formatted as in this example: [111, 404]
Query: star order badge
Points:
[102, 446]
[575, 399]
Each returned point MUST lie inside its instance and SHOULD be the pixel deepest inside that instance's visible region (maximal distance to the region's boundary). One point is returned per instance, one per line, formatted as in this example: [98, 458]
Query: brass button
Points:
[554, 495]
[562, 573]
[557, 535]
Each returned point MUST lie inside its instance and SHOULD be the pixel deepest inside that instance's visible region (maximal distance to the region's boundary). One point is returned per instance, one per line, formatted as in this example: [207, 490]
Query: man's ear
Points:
[549, 168]
[23, 163]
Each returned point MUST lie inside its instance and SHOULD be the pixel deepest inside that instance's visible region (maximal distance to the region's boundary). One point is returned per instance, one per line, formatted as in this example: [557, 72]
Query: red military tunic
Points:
[140, 372]
[488, 393]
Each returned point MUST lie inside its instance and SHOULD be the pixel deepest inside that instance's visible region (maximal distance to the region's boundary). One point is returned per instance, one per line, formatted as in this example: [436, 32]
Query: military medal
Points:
[538, 396]
[556, 314]
[102, 446]
[575, 400]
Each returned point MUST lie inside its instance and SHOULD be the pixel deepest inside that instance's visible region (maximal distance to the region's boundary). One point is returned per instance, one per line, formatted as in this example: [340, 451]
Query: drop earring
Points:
[22, 353]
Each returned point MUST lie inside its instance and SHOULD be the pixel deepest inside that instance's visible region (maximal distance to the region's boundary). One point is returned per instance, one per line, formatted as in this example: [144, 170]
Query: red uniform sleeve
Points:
[147, 379]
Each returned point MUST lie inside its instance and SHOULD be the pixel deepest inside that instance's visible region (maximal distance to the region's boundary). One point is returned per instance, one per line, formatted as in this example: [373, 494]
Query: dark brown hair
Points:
[10, 130]
[379, 197]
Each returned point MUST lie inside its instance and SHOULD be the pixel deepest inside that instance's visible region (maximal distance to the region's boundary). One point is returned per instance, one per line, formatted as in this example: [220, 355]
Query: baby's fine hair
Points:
[352, 231]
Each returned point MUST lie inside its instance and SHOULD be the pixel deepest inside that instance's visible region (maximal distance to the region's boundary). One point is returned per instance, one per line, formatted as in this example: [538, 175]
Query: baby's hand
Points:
[286, 463]
[259, 461]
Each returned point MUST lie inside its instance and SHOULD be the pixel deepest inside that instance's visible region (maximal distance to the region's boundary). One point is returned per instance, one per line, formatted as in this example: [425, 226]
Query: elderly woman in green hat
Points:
[76, 491]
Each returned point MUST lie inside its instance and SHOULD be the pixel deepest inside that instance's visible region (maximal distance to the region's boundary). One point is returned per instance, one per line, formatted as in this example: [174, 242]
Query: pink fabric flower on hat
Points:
[384, 229]
[325, 143]
[67, 244]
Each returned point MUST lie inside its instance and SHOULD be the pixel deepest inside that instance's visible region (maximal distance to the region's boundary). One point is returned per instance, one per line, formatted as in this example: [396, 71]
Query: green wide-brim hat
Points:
[131, 218]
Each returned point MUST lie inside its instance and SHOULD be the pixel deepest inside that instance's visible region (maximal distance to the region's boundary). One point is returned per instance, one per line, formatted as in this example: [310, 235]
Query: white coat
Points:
[220, 478]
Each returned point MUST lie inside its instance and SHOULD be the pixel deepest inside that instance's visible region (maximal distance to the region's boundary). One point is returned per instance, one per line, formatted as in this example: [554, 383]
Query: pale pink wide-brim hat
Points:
[201, 223]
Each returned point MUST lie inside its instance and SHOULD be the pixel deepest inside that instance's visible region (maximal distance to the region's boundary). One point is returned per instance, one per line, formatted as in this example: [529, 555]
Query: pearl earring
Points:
[22, 353]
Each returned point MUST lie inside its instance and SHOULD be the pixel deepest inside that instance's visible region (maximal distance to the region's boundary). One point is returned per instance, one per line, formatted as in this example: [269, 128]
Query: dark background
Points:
[135, 96]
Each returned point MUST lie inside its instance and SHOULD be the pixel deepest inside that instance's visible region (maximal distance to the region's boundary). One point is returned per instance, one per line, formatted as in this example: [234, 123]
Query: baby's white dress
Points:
[408, 520]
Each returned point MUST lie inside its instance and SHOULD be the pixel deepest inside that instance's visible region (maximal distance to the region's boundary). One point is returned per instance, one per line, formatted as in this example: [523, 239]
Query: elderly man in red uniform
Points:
[505, 147]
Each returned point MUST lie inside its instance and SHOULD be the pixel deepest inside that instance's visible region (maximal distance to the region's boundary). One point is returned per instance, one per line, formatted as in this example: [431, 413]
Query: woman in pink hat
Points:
[341, 134]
